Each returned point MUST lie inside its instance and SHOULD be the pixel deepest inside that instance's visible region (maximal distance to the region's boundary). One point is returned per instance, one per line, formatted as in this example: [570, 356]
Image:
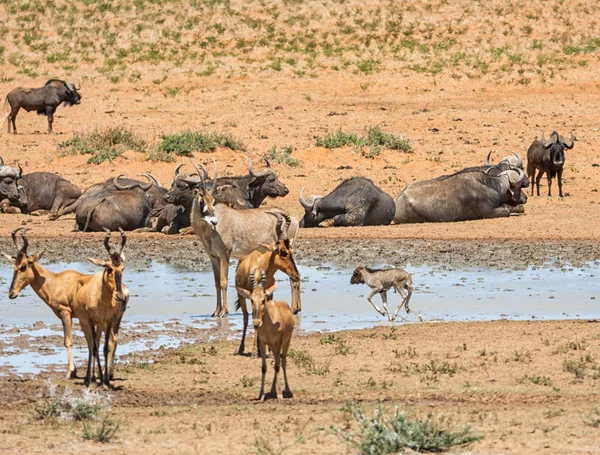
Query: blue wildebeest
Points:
[356, 201]
[44, 100]
[549, 158]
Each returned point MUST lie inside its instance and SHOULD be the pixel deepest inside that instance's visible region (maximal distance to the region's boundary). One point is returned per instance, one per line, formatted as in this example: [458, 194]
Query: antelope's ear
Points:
[36, 257]
[270, 291]
[243, 292]
[98, 262]
[10, 258]
[267, 247]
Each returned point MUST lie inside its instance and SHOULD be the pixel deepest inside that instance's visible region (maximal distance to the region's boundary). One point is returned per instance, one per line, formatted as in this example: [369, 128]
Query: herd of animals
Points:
[228, 217]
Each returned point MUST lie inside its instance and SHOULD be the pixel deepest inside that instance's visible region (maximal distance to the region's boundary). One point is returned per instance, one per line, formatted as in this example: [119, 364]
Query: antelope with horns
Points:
[277, 257]
[273, 324]
[57, 290]
[100, 303]
[226, 232]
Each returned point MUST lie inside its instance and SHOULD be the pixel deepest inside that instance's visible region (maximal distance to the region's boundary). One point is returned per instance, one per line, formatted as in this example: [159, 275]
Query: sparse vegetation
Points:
[103, 431]
[103, 144]
[70, 405]
[188, 142]
[374, 138]
[305, 361]
[383, 434]
[283, 155]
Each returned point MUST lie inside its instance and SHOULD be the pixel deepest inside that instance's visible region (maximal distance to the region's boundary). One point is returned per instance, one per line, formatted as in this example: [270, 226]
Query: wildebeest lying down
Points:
[465, 195]
[44, 100]
[356, 201]
[105, 206]
[246, 191]
[548, 157]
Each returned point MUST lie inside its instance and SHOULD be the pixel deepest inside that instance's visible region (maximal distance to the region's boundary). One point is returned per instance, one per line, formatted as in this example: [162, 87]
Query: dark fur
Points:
[46, 191]
[546, 158]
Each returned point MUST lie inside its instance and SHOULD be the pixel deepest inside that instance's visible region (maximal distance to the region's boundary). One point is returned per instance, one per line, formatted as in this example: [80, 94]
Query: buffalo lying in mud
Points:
[247, 191]
[44, 100]
[114, 205]
[36, 192]
[469, 194]
[549, 158]
[356, 201]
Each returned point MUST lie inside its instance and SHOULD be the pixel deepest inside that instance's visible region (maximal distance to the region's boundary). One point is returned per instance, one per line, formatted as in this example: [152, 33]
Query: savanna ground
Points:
[455, 79]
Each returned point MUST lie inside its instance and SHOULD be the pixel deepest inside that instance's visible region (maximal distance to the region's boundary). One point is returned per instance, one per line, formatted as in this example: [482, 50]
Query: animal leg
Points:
[531, 176]
[216, 265]
[537, 181]
[67, 322]
[263, 348]
[296, 299]
[224, 274]
[559, 177]
[50, 115]
[242, 302]
[90, 366]
[287, 392]
[375, 291]
[347, 219]
[277, 354]
[110, 346]
[96, 337]
[12, 117]
[499, 212]
[385, 306]
[549, 183]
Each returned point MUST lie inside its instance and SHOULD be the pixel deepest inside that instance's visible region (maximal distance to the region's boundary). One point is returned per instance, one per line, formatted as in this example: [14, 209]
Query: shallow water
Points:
[169, 306]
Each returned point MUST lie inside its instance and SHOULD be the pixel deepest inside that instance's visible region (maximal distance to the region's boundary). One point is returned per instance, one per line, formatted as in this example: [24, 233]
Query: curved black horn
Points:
[144, 187]
[486, 162]
[177, 170]
[303, 201]
[148, 185]
[267, 161]
[118, 186]
[519, 160]
[1, 162]
[106, 239]
[259, 173]
[21, 170]
[156, 181]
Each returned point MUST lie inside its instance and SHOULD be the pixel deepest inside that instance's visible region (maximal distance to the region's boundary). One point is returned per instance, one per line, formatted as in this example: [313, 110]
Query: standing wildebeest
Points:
[9, 192]
[465, 195]
[44, 100]
[247, 191]
[382, 281]
[114, 206]
[356, 201]
[226, 232]
[548, 157]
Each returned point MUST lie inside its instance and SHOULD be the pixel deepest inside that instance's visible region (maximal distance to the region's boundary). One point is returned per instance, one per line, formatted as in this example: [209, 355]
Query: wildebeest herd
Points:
[228, 217]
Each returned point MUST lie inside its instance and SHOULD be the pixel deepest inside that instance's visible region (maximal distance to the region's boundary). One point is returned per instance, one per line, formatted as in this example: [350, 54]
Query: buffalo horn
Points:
[200, 174]
[486, 162]
[303, 202]
[21, 170]
[120, 187]
[177, 170]
[259, 173]
[514, 180]
[154, 179]
[1, 162]
[519, 160]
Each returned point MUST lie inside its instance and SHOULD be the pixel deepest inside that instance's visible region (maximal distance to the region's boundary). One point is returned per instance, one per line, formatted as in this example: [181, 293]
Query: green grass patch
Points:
[383, 434]
[103, 144]
[188, 142]
[282, 155]
[374, 138]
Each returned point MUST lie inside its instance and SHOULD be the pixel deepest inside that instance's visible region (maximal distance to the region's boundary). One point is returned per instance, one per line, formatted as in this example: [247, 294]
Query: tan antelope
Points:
[226, 232]
[277, 257]
[57, 290]
[99, 305]
[273, 324]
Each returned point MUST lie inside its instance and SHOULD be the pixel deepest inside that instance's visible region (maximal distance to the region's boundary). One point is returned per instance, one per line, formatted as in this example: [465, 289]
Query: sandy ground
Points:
[527, 387]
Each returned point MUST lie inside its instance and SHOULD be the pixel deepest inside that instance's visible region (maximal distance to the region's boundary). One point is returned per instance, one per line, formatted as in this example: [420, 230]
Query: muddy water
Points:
[170, 306]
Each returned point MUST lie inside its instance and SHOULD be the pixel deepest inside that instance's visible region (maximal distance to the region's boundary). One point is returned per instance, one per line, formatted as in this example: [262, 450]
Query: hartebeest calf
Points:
[273, 323]
[277, 257]
[382, 281]
[99, 305]
[57, 290]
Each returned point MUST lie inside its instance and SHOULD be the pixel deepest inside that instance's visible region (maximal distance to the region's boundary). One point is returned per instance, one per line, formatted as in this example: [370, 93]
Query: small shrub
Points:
[592, 419]
[186, 143]
[70, 406]
[103, 431]
[374, 138]
[283, 155]
[104, 144]
[304, 360]
[247, 381]
[383, 434]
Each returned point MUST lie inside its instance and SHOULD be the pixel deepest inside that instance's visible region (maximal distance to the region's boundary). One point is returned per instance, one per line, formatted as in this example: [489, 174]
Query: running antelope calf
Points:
[57, 290]
[382, 281]
[273, 324]
[277, 257]
[100, 302]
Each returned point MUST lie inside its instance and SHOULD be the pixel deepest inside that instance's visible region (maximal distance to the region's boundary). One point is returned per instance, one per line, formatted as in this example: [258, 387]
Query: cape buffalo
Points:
[46, 191]
[114, 205]
[248, 191]
[465, 195]
[8, 183]
[44, 100]
[356, 201]
[548, 157]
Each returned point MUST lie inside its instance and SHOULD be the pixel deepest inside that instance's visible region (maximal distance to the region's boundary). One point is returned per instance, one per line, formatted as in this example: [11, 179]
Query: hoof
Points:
[71, 374]
[271, 396]
[288, 394]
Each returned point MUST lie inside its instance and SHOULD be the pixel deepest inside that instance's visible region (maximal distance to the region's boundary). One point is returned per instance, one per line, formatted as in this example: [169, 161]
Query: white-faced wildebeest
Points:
[382, 281]
[548, 157]
[276, 257]
[226, 232]
[44, 100]
[273, 323]
[100, 302]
